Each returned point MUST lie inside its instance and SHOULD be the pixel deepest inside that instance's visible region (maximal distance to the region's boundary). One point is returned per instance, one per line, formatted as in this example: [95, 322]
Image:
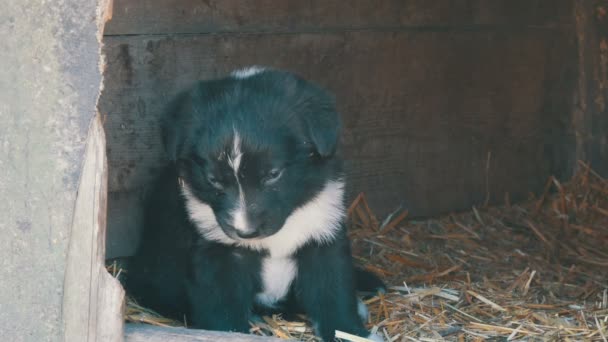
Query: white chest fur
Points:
[277, 275]
[318, 220]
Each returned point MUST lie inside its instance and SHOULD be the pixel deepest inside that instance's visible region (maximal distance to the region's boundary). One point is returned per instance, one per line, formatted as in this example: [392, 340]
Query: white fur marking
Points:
[317, 220]
[234, 160]
[247, 72]
[203, 217]
[375, 338]
[239, 215]
[239, 221]
[277, 275]
[362, 310]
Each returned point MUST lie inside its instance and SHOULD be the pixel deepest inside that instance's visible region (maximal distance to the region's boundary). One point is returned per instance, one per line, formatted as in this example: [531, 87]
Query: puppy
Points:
[249, 216]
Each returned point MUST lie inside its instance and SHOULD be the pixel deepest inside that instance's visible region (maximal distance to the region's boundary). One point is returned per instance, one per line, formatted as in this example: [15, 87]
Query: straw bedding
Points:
[536, 270]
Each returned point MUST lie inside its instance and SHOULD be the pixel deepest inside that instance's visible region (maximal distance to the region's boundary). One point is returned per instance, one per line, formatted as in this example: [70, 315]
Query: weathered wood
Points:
[187, 16]
[147, 333]
[422, 111]
[92, 300]
[590, 111]
[110, 306]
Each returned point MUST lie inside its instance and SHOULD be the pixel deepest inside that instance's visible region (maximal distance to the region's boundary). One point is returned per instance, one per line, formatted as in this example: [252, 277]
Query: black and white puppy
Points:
[249, 216]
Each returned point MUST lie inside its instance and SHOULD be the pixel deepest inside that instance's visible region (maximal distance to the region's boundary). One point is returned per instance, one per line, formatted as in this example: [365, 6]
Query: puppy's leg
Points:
[221, 289]
[325, 289]
[368, 282]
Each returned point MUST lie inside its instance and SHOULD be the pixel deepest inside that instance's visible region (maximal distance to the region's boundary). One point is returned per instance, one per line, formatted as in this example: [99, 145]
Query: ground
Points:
[536, 270]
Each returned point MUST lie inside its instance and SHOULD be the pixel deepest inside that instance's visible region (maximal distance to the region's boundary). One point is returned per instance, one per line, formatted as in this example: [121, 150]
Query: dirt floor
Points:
[536, 270]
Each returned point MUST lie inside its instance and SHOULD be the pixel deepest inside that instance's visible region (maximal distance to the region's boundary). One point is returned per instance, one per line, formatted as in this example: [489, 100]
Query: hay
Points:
[534, 271]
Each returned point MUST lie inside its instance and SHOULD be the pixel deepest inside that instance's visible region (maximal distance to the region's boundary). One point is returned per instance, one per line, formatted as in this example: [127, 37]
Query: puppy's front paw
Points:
[375, 338]
[362, 311]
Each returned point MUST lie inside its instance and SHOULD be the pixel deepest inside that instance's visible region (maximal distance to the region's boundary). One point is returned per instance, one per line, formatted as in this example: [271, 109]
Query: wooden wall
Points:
[446, 104]
[590, 110]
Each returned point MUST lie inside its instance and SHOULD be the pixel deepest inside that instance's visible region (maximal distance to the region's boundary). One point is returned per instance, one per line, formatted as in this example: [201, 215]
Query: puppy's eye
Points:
[273, 175]
[215, 182]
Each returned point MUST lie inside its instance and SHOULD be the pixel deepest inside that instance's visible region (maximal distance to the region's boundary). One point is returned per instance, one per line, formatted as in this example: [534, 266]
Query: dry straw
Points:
[537, 270]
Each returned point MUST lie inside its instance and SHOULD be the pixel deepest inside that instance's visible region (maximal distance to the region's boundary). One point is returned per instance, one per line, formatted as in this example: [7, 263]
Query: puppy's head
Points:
[251, 149]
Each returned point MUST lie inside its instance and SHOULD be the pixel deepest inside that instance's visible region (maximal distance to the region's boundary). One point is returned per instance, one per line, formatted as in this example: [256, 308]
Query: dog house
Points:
[444, 105]
[449, 107]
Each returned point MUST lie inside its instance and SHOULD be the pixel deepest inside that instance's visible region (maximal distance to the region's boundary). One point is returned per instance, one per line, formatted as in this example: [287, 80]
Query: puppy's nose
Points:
[248, 234]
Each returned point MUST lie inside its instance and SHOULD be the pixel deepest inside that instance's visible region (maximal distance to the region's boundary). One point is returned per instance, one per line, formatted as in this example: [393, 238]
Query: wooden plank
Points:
[590, 111]
[422, 110]
[92, 299]
[148, 333]
[187, 16]
[110, 306]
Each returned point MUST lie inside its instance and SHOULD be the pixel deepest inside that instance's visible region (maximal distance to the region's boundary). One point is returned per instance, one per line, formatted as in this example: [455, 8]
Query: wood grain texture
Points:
[590, 110]
[421, 110]
[187, 16]
[148, 333]
[92, 299]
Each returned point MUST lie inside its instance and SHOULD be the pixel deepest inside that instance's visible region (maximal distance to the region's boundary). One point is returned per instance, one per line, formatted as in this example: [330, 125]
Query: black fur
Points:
[287, 127]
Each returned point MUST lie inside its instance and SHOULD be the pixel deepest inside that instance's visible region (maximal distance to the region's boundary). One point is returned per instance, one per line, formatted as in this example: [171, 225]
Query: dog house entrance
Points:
[459, 137]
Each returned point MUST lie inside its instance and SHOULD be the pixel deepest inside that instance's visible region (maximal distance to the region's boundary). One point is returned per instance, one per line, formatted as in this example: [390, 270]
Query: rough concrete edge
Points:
[104, 14]
[111, 315]
[106, 291]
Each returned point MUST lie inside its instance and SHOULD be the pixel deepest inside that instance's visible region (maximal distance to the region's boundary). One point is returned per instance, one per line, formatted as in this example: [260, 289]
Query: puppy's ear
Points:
[322, 122]
[186, 117]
